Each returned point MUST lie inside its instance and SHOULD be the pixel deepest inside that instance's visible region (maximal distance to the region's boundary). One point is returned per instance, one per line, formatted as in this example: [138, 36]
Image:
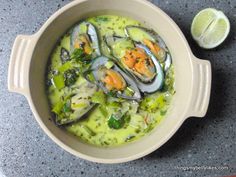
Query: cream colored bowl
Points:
[29, 61]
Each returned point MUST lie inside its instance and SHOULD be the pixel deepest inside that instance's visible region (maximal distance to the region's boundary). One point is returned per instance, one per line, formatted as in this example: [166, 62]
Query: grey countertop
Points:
[206, 143]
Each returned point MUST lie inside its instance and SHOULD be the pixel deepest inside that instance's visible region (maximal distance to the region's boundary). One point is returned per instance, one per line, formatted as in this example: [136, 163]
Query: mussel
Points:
[112, 80]
[153, 41]
[158, 81]
[84, 36]
[139, 61]
[77, 105]
[118, 45]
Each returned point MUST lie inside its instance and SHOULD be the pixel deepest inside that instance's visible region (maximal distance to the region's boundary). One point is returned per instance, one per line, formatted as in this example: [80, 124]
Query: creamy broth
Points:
[139, 117]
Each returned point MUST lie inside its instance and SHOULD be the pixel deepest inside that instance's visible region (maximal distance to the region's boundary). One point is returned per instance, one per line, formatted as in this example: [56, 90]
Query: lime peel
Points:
[210, 27]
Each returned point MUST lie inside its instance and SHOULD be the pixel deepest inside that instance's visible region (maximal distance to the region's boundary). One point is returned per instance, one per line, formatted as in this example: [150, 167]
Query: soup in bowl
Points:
[110, 80]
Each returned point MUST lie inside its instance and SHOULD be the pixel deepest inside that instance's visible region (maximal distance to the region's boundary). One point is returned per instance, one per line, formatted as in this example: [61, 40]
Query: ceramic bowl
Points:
[30, 55]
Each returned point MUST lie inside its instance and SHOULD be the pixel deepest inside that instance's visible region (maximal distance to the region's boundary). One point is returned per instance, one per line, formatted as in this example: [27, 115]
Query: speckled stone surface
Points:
[208, 142]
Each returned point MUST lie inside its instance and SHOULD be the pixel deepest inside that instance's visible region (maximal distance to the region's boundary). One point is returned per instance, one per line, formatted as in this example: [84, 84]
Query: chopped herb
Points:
[106, 143]
[102, 19]
[148, 129]
[88, 130]
[115, 122]
[111, 93]
[66, 108]
[80, 56]
[127, 119]
[110, 28]
[70, 77]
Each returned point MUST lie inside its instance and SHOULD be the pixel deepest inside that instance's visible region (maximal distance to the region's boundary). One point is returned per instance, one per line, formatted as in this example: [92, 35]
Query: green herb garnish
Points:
[66, 108]
[115, 122]
[102, 19]
[80, 56]
[111, 93]
[88, 130]
[70, 77]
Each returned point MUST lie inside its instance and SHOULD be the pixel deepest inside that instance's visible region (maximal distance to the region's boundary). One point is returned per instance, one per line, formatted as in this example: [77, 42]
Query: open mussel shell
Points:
[97, 67]
[89, 31]
[118, 45]
[139, 34]
[80, 103]
[157, 82]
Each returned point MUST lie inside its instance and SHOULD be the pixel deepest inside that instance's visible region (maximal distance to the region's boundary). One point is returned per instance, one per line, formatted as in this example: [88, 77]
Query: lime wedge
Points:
[210, 28]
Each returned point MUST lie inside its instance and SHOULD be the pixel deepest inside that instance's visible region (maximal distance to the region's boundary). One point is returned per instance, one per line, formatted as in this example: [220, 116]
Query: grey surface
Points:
[26, 151]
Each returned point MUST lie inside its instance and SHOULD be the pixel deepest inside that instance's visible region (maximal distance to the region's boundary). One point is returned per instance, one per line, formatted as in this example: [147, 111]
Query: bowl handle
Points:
[18, 71]
[201, 89]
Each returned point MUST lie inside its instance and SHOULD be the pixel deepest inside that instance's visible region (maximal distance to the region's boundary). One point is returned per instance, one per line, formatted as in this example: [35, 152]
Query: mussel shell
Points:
[147, 85]
[152, 36]
[122, 42]
[157, 82]
[100, 62]
[84, 91]
[139, 76]
[168, 62]
[90, 30]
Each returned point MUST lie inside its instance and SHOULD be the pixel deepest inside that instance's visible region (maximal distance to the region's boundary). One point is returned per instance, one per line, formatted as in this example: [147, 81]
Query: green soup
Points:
[99, 115]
